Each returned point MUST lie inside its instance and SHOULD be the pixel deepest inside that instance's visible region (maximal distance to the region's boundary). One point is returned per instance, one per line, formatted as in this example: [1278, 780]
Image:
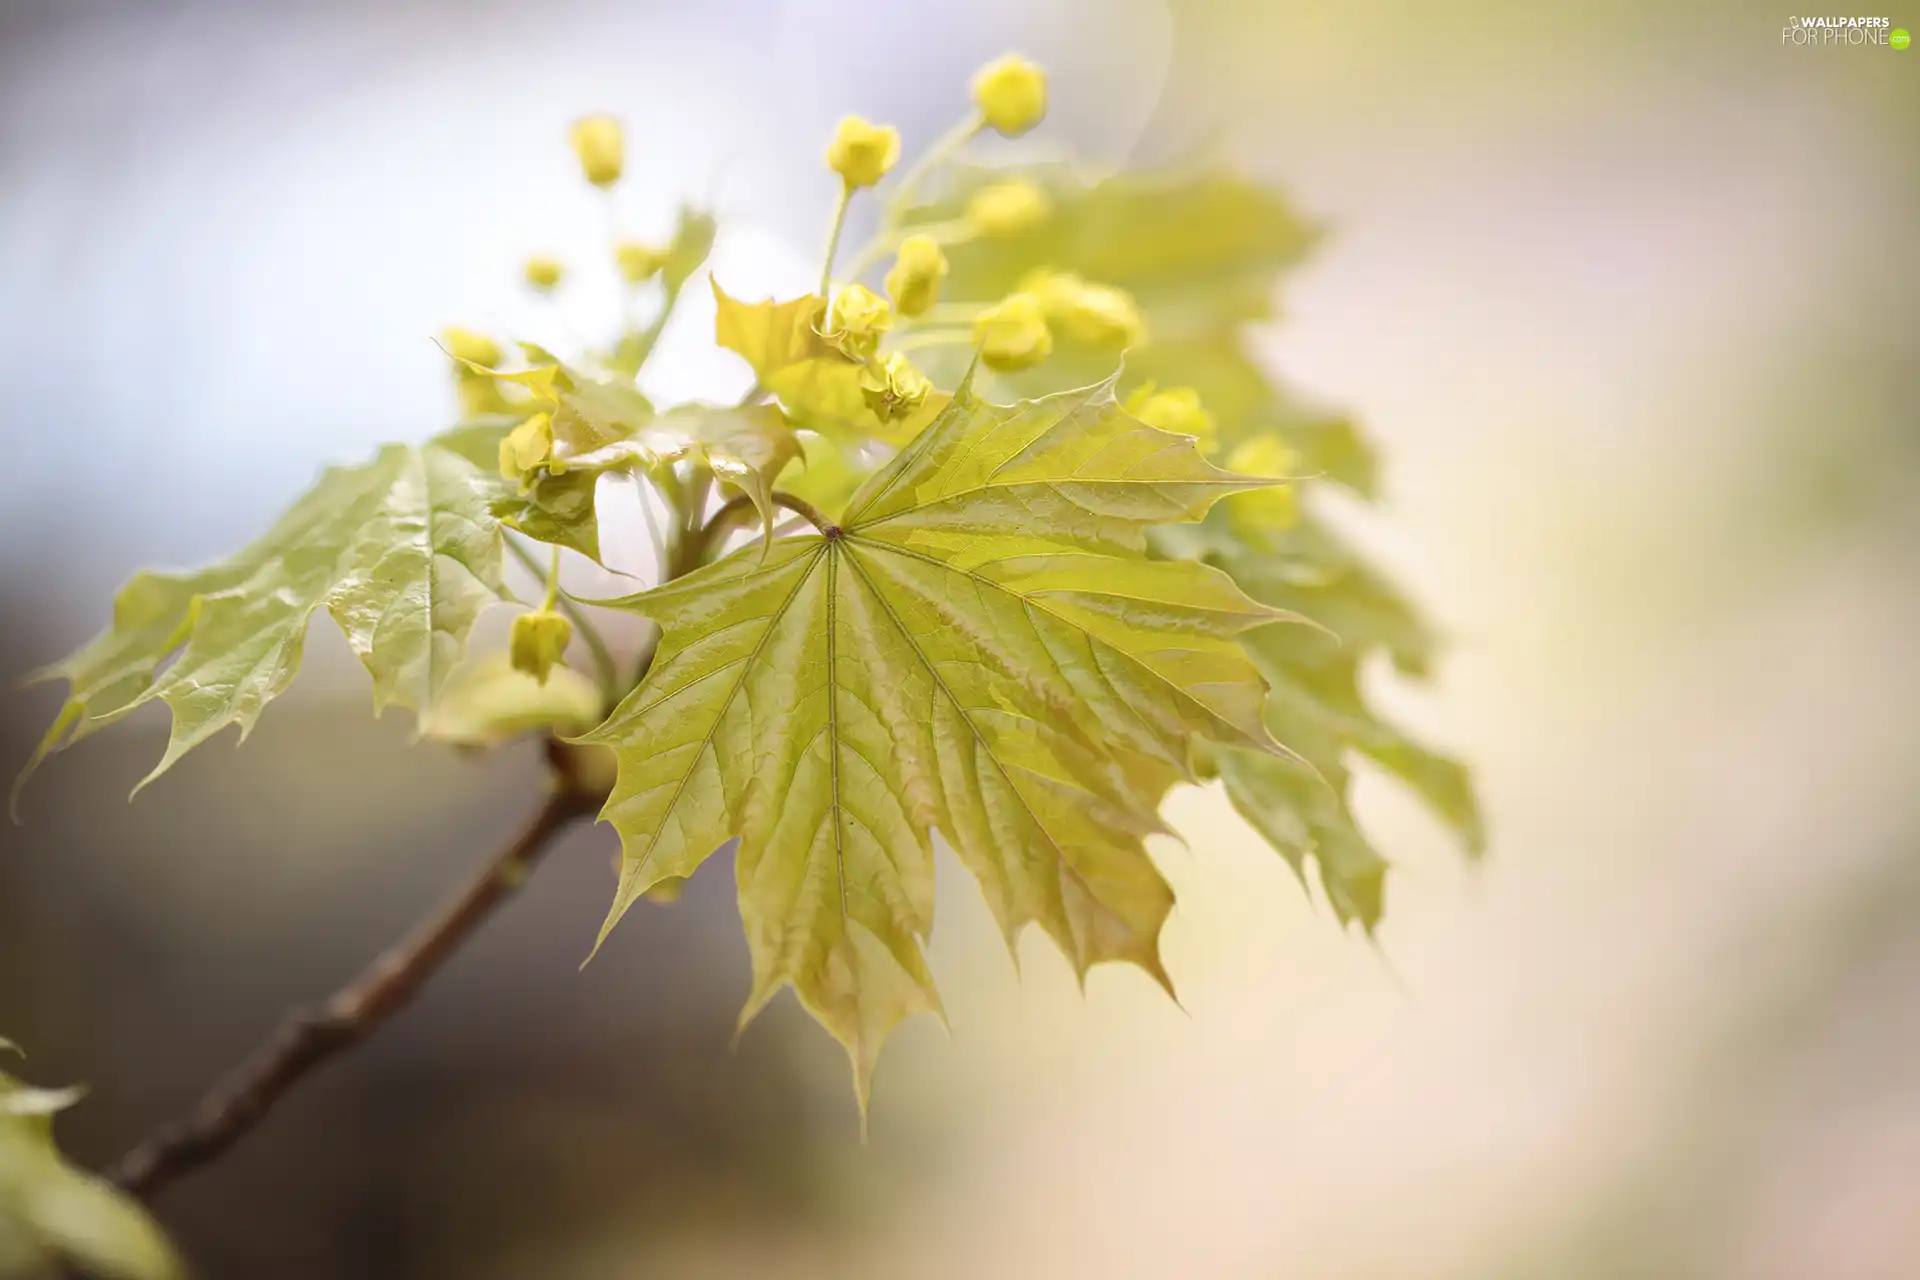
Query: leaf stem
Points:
[736, 512]
[606, 671]
[309, 1038]
[833, 236]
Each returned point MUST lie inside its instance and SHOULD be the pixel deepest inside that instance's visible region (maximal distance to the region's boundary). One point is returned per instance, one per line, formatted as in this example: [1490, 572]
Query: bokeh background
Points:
[1629, 296]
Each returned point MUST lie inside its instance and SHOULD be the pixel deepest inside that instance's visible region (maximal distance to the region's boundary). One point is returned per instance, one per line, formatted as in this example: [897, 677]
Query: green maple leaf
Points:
[981, 648]
[1203, 251]
[1316, 705]
[403, 551]
[52, 1213]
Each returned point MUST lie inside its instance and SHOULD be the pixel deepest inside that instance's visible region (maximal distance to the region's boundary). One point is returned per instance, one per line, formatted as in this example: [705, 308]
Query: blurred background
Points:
[1627, 294]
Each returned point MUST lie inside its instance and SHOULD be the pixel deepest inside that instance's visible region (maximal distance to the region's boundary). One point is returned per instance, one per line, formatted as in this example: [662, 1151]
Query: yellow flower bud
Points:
[638, 261]
[538, 641]
[894, 388]
[1276, 508]
[544, 273]
[1013, 334]
[862, 152]
[859, 319]
[601, 145]
[465, 344]
[1177, 409]
[915, 279]
[1095, 315]
[1011, 93]
[1103, 316]
[1007, 208]
[527, 448]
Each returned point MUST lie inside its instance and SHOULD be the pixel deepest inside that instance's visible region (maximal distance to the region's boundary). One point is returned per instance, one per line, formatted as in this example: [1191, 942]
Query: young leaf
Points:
[816, 384]
[402, 551]
[52, 1213]
[981, 649]
[771, 335]
[486, 701]
[746, 447]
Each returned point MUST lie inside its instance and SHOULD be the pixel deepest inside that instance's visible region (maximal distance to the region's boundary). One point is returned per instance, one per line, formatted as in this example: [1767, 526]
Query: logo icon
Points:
[1899, 38]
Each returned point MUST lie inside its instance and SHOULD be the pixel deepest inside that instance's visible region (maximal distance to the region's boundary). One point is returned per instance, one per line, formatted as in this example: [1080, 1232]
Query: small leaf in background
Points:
[771, 335]
[55, 1216]
[486, 702]
[983, 650]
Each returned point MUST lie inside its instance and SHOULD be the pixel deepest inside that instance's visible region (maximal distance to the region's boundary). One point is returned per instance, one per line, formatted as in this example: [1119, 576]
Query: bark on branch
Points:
[308, 1038]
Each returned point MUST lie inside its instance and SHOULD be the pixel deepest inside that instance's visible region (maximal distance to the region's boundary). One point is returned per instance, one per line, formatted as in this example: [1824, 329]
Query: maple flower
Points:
[914, 282]
[1007, 208]
[894, 388]
[1011, 93]
[465, 344]
[544, 273]
[601, 145]
[1096, 315]
[861, 152]
[1013, 333]
[1272, 508]
[1176, 409]
[527, 448]
[859, 320]
[639, 262]
[538, 641]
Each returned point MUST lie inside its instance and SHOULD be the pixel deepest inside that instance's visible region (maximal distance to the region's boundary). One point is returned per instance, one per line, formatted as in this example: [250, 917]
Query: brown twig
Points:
[308, 1038]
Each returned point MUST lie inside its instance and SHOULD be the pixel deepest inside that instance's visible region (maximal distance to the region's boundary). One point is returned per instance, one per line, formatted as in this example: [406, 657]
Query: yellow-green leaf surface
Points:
[53, 1215]
[1317, 707]
[1203, 251]
[980, 648]
[403, 551]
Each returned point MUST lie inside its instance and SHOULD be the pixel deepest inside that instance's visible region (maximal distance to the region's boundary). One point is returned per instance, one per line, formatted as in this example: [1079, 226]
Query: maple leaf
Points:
[403, 551]
[53, 1213]
[1202, 252]
[980, 648]
[1317, 707]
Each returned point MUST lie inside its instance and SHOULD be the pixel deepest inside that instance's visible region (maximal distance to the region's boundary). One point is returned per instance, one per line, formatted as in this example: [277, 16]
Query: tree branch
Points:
[308, 1038]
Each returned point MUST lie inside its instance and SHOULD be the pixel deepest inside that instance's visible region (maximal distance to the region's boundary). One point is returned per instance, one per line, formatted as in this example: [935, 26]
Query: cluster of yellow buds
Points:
[1176, 409]
[545, 273]
[1011, 93]
[1012, 334]
[1095, 315]
[479, 394]
[538, 640]
[602, 147]
[918, 270]
[861, 152]
[893, 388]
[526, 449]
[1005, 209]
[859, 319]
[1277, 507]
